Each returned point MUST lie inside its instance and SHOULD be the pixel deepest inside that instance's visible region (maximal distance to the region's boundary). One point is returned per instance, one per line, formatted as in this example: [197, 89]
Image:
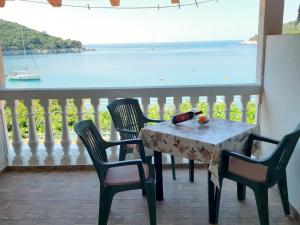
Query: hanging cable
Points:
[196, 3]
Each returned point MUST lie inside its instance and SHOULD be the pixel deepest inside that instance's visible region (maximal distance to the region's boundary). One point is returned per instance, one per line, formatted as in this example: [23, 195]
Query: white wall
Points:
[281, 99]
[3, 140]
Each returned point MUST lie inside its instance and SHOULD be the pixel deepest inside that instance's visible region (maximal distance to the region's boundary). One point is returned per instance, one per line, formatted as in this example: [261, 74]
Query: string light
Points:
[157, 7]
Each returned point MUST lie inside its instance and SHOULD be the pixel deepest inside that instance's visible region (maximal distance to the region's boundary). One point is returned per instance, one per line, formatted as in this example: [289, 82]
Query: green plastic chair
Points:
[260, 175]
[128, 120]
[116, 177]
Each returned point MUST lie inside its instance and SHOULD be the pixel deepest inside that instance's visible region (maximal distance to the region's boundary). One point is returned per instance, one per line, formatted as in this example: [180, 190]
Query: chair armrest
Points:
[264, 139]
[132, 141]
[122, 163]
[128, 131]
[148, 120]
[227, 154]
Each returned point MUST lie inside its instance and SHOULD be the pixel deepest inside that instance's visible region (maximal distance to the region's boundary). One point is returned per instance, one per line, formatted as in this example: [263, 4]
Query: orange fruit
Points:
[202, 119]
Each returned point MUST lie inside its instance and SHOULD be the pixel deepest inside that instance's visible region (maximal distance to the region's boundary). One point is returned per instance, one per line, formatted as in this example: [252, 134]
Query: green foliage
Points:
[219, 110]
[235, 114]
[251, 113]
[185, 106]
[287, 28]
[202, 106]
[153, 111]
[290, 28]
[11, 39]
[105, 122]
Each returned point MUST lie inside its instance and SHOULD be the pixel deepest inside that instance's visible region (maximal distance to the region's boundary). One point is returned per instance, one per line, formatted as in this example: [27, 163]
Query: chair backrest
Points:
[280, 157]
[94, 143]
[127, 114]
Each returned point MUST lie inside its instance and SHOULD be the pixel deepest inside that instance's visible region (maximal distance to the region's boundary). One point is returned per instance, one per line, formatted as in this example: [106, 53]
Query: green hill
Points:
[287, 28]
[35, 41]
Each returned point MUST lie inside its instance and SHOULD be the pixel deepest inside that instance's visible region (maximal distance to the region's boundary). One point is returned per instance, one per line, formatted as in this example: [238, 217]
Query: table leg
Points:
[159, 176]
[213, 200]
[241, 189]
[191, 170]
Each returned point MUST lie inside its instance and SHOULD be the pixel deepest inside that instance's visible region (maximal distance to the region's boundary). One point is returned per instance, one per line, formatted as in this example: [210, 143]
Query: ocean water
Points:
[133, 65]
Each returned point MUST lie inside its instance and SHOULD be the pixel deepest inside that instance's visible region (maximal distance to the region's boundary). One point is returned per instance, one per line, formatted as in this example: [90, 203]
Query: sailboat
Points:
[25, 74]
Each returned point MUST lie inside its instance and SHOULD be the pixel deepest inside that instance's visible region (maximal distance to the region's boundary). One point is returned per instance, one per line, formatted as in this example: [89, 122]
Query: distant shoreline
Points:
[249, 42]
[47, 51]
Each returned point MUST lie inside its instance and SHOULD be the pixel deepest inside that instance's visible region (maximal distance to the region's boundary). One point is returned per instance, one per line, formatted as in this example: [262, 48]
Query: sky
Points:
[222, 20]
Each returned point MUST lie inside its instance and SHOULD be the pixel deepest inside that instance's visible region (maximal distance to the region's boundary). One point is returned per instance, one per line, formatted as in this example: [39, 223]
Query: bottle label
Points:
[182, 117]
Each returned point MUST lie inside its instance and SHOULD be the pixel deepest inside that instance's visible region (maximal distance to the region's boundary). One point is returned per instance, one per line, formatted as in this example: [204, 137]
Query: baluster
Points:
[3, 125]
[194, 101]
[49, 140]
[113, 136]
[145, 103]
[81, 159]
[228, 102]
[245, 99]
[16, 136]
[79, 104]
[161, 107]
[177, 104]
[211, 101]
[33, 141]
[95, 102]
[65, 138]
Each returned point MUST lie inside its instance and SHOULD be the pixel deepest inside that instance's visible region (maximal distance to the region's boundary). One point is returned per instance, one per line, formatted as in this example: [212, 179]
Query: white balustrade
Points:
[16, 136]
[161, 107]
[245, 100]
[95, 103]
[145, 103]
[33, 140]
[228, 102]
[11, 96]
[79, 104]
[211, 102]
[81, 159]
[65, 138]
[49, 139]
[177, 103]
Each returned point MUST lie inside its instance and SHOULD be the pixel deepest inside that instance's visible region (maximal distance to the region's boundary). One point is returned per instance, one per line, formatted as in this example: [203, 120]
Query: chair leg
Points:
[104, 207]
[122, 153]
[261, 197]
[241, 192]
[151, 200]
[191, 170]
[283, 191]
[173, 167]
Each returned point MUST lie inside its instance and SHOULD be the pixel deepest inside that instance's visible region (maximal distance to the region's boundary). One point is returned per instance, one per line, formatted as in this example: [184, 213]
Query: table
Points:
[196, 142]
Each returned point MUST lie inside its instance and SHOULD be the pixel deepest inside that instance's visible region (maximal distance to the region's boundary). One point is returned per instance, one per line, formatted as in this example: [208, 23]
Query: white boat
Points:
[23, 75]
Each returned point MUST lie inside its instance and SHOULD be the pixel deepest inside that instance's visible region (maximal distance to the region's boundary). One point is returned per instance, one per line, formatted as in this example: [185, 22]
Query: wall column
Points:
[3, 131]
[270, 22]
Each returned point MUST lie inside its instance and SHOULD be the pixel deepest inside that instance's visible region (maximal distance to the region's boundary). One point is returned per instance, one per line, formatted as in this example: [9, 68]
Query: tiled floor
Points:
[71, 198]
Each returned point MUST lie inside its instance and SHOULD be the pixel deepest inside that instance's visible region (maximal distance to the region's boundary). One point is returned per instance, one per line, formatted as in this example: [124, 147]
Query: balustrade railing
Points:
[32, 148]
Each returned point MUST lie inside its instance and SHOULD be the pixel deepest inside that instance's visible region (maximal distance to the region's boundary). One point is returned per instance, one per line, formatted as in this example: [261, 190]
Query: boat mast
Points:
[23, 42]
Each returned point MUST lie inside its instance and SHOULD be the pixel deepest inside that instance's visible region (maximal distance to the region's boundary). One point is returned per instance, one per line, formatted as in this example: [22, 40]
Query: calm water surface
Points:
[153, 64]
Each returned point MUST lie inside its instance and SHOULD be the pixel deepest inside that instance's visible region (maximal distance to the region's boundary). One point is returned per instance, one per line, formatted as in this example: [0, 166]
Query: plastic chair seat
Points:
[131, 146]
[123, 175]
[251, 171]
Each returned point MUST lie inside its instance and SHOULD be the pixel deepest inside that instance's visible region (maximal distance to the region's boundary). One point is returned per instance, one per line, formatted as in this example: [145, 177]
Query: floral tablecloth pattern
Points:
[193, 141]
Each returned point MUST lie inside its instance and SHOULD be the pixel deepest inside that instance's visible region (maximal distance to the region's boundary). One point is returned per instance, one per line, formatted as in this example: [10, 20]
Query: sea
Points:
[140, 65]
